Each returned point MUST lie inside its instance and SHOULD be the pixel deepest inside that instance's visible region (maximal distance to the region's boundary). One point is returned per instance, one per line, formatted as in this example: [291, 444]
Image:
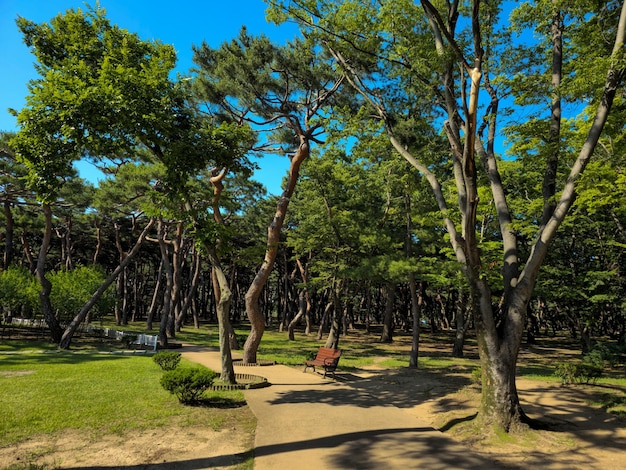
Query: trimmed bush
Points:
[188, 383]
[167, 360]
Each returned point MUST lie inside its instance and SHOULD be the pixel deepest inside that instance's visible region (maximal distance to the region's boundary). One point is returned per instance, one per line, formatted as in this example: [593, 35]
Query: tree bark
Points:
[223, 316]
[167, 295]
[417, 301]
[9, 234]
[257, 320]
[78, 319]
[390, 297]
[51, 320]
[192, 291]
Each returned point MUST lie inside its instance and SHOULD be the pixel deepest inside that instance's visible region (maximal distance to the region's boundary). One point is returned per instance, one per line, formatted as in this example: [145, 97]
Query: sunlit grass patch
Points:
[46, 393]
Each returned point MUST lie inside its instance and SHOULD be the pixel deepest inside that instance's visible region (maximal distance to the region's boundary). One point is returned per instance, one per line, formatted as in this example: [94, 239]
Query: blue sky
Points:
[180, 23]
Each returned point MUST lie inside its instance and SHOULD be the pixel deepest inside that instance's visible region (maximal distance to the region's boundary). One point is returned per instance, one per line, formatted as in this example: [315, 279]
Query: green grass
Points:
[46, 393]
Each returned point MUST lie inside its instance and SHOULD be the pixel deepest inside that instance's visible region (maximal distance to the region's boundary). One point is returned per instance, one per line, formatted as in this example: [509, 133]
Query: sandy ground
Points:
[581, 434]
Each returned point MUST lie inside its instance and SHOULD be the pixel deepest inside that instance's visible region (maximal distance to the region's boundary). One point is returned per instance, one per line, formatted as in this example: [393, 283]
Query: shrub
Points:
[167, 360]
[18, 289]
[188, 383]
[72, 289]
[578, 372]
[602, 355]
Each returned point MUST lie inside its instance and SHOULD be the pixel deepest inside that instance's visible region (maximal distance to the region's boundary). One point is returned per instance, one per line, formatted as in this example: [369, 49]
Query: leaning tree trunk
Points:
[253, 310]
[51, 320]
[78, 319]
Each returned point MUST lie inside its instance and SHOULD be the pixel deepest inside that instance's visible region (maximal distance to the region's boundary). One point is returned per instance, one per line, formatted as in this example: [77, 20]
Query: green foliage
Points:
[18, 289]
[105, 92]
[188, 383]
[167, 360]
[578, 372]
[604, 355]
[72, 289]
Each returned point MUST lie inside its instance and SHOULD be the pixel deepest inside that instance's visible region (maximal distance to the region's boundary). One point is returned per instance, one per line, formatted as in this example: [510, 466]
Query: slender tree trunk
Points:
[98, 249]
[192, 291]
[28, 254]
[387, 334]
[121, 279]
[303, 307]
[461, 325]
[51, 320]
[78, 319]
[155, 296]
[8, 232]
[335, 324]
[167, 296]
[257, 320]
[324, 319]
[417, 301]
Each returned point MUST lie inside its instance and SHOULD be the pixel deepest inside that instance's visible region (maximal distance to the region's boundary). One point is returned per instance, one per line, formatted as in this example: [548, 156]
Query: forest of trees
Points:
[453, 166]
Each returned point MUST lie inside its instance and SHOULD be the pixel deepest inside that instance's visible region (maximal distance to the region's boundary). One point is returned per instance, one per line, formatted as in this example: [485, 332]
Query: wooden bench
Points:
[327, 358]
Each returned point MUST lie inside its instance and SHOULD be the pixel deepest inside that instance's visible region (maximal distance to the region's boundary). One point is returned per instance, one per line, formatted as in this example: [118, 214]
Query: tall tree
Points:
[397, 50]
[106, 93]
[285, 89]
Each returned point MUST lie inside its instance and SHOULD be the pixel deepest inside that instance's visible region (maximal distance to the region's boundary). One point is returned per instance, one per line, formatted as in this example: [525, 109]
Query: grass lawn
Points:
[48, 392]
[98, 390]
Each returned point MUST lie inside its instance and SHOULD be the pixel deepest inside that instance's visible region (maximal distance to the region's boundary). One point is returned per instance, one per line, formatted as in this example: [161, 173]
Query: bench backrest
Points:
[328, 353]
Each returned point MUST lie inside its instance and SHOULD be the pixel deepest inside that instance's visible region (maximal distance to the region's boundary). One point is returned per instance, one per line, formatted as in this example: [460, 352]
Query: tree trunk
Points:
[51, 320]
[387, 334]
[9, 231]
[257, 320]
[303, 307]
[155, 297]
[223, 296]
[324, 319]
[416, 309]
[335, 324]
[78, 319]
[167, 296]
[192, 291]
[461, 326]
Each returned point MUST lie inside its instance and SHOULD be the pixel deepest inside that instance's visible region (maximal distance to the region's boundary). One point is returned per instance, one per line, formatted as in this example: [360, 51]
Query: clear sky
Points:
[180, 23]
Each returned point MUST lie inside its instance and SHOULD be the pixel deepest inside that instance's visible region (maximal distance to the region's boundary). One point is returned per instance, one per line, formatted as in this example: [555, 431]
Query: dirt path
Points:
[581, 435]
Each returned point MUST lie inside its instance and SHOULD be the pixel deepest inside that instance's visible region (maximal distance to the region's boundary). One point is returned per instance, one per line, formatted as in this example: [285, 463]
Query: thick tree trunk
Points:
[253, 310]
[51, 320]
[223, 297]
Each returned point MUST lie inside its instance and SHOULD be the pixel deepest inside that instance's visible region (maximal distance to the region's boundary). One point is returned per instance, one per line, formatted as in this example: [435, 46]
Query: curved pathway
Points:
[307, 422]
